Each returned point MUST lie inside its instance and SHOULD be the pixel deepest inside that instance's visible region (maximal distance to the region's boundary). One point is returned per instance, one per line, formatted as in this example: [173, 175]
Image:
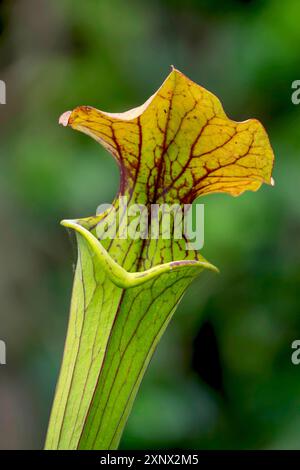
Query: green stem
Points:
[116, 321]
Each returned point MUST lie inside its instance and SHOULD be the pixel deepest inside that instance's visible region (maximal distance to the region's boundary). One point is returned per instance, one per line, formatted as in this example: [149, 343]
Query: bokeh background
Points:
[222, 376]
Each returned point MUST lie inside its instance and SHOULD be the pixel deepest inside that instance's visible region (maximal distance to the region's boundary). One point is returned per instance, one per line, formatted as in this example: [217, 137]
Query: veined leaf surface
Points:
[177, 146]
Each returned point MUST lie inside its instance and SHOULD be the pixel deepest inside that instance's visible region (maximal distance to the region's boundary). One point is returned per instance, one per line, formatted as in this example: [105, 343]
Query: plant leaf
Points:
[180, 144]
[177, 146]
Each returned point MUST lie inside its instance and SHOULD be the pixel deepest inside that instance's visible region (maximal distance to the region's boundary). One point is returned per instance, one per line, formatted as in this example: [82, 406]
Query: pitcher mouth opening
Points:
[120, 276]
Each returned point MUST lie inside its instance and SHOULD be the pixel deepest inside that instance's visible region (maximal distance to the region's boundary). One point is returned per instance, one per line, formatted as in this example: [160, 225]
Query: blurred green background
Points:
[222, 375]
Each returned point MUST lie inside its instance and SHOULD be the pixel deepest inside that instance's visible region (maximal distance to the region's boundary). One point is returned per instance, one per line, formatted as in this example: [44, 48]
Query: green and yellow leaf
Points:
[177, 146]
